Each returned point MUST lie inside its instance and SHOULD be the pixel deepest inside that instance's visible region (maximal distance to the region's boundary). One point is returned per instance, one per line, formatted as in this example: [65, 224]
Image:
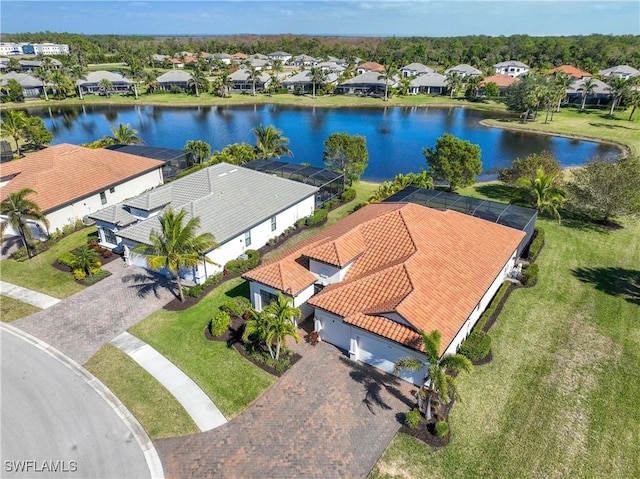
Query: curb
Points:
[148, 449]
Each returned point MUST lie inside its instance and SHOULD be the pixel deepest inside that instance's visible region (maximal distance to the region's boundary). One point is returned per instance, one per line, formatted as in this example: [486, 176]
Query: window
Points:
[247, 239]
[267, 297]
[112, 189]
[109, 236]
[103, 198]
[273, 223]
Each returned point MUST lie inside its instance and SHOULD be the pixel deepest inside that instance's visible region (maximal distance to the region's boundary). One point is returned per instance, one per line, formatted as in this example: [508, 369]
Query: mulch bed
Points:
[424, 430]
[487, 359]
[490, 322]
[233, 338]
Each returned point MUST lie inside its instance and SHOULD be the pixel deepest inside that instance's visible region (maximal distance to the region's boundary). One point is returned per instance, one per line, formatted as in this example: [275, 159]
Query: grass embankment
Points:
[141, 393]
[39, 274]
[12, 309]
[560, 398]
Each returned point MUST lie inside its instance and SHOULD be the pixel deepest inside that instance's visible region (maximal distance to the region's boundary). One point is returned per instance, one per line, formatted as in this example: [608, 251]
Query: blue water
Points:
[395, 135]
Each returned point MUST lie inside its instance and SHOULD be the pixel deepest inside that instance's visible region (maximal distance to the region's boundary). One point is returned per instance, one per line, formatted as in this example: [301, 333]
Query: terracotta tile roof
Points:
[372, 66]
[571, 70]
[341, 251]
[63, 173]
[500, 80]
[429, 267]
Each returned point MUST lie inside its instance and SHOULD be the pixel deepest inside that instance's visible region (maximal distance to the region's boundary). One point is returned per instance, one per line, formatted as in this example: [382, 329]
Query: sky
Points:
[434, 18]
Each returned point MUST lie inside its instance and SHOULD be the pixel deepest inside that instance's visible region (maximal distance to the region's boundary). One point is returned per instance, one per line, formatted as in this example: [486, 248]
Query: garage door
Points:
[336, 332]
[383, 355]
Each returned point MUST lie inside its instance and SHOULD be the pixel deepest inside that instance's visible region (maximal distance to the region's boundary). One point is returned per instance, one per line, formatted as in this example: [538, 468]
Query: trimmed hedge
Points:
[236, 306]
[220, 323]
[348, 195]
[492, 307]
[530, 275]
[243, 265]
[100, 275]
[537, 244]
[317, 218]
[476, 346]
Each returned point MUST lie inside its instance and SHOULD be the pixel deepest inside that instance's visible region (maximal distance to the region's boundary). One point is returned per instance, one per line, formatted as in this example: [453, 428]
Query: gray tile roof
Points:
[464, 69]
[228, 199]
[417, 67]
[152, 200]
[429, 79]
[601, 87]
[25, 80]
[95, 77]
[619, 70]
[115, 215]
[174, 76]
[305, 77]
[243, 75]
[368, 78]
[511, 63]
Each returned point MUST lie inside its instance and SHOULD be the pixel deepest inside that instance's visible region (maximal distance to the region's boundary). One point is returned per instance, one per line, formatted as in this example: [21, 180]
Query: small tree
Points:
[491, 89]
[125, 135]
[454, 160]
[14, 91]
[605, 189]
[540, 193]
[105, 87]
[346, 154]
[36, 133]
[86, 260]
[13, 123]
[270, 143]
[18, 209]
[527, 167]
[200, 150]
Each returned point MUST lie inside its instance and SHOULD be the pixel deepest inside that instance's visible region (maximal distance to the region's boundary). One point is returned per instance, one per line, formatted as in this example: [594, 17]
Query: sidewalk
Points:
[197, 404]
[25, 295]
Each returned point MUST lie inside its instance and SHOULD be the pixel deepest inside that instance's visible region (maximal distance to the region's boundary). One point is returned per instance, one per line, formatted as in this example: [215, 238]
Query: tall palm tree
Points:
[198, 81]
[43, 75]
[177, 245]
[454, 82]
[440, 380]
[253, 75]
[60, 84]
[562, 81]
[277, 67]
[473, 84]
[135, 73]
[619, 87]
[77, 73]
[634, 102]
[18, 210]
[13, 124]
[540, 193]
[586, 89]
[317, 75]
[281, 314]
[388, 74]
[270, 142]
[125, 135]
[200, 150]
[105, 86]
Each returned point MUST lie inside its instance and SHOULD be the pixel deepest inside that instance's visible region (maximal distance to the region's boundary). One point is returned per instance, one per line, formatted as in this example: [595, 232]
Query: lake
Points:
[395, 135]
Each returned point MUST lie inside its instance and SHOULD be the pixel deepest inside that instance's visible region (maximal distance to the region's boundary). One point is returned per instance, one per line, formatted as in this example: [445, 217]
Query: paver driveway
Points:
[80, 324]
[327, 417]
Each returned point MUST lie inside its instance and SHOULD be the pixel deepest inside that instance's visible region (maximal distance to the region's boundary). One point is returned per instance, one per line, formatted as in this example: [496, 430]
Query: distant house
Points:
[303, 61]
[463, 70]
[71, 181]
[375, 279]
[222, 57]
[428, 83]
[32, 87]
[174, 79]
[241, 208]
[258, 63]
[159, 59]
[571, 71]
[283, 57]
[511, 68]
[502, 81]
[242, 83]
[92, 83]
[620, 71]
[33, 65]
[239, 56]
[415, 69]
[369, 67]
[176, 63]
[600, 95]
[366, 83]
[301, 82]
[330, 67]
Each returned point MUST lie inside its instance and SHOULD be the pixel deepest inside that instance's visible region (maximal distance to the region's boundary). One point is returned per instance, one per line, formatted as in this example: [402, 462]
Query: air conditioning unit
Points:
[243, 257]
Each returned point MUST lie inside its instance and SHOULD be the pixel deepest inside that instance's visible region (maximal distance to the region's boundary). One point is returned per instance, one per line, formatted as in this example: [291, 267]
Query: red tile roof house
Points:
[377, 277]
[71, 181]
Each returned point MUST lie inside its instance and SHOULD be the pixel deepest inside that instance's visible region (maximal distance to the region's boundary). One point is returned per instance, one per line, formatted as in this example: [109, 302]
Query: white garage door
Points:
[383, 355]
[336, 332]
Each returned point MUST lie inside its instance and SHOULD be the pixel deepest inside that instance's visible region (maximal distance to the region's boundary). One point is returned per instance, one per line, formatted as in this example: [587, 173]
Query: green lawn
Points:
[227, 378]
[39, 274]
[560, 398]
[154, 407]
[12, 309]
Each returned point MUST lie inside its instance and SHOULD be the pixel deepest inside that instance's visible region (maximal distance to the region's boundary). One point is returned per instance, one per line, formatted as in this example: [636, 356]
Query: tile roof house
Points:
[301, 82]
[92, 82]
[622, 71]
[463, 70]
[367, 83]
[571, 70]
[503, 81]
[242, 83]
[415, 69]
[32, 87]
[174, 78]
[600, 95]
[242, 208]
[376, 278]
[71, 181]
[512, 68]
[369, 67]
[284, 57]
[428, 83]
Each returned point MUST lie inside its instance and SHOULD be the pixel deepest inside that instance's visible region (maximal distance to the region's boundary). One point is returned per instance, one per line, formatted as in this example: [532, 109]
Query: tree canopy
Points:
[454, 160]
[346, 154]
[527, 167]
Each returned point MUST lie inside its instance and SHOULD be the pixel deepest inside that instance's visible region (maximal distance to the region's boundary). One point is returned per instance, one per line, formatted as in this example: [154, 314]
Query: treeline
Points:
[590, 52]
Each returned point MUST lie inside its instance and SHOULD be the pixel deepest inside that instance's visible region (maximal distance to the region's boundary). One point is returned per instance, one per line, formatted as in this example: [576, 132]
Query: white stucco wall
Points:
[328, 273]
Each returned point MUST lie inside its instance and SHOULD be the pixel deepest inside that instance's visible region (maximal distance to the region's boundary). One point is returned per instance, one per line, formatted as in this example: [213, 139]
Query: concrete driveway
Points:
[327, 417]
[54, 424]
[80, 324]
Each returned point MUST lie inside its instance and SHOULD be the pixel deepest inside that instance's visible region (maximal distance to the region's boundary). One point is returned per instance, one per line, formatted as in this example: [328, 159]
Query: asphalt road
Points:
[53, 424]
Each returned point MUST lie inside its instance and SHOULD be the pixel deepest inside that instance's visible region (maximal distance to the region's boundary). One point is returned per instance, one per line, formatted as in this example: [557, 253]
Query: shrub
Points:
[536, 243]
[492, 306]
[317, 218]
[89, 280]
[194, 291]
[301, 222]
[348, 195]
[220, 323]
[66, 259]
[20, 254]
[412, 419]
[282, 365]
[236, 306]
[79, 274]
[212, 280]
[441, 428]
[476, 346]
[107, 253]
[243, 265]
[530, 275]
[273, 241]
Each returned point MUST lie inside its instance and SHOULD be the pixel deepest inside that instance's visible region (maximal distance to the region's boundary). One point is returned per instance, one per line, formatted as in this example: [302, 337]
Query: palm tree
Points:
[105, 86]
[634, 102]
[281, 314]
[43, 75]
[125, 135]
[619, 87]
[440, 380]
[277, 67]
[388, 74]
[199, 149]
[86, 260]
[13, 125]
[18, 209]
[317, 75]
[198, 81]
[473, 84]
[540, 193]
[454, 82]
[270, 142]
[60, 84]
[77, 73]
[253, 75]
[135, 73]
[562, 81]
[405, 85]
[177, 245]
[586, 89]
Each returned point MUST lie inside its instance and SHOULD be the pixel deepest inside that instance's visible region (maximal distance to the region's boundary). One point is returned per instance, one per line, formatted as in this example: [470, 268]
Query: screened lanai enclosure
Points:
[331, 183]
[518, 217]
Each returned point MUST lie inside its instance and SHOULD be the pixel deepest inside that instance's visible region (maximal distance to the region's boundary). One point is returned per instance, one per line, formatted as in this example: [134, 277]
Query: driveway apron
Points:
[327, 417]
[80, 324]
